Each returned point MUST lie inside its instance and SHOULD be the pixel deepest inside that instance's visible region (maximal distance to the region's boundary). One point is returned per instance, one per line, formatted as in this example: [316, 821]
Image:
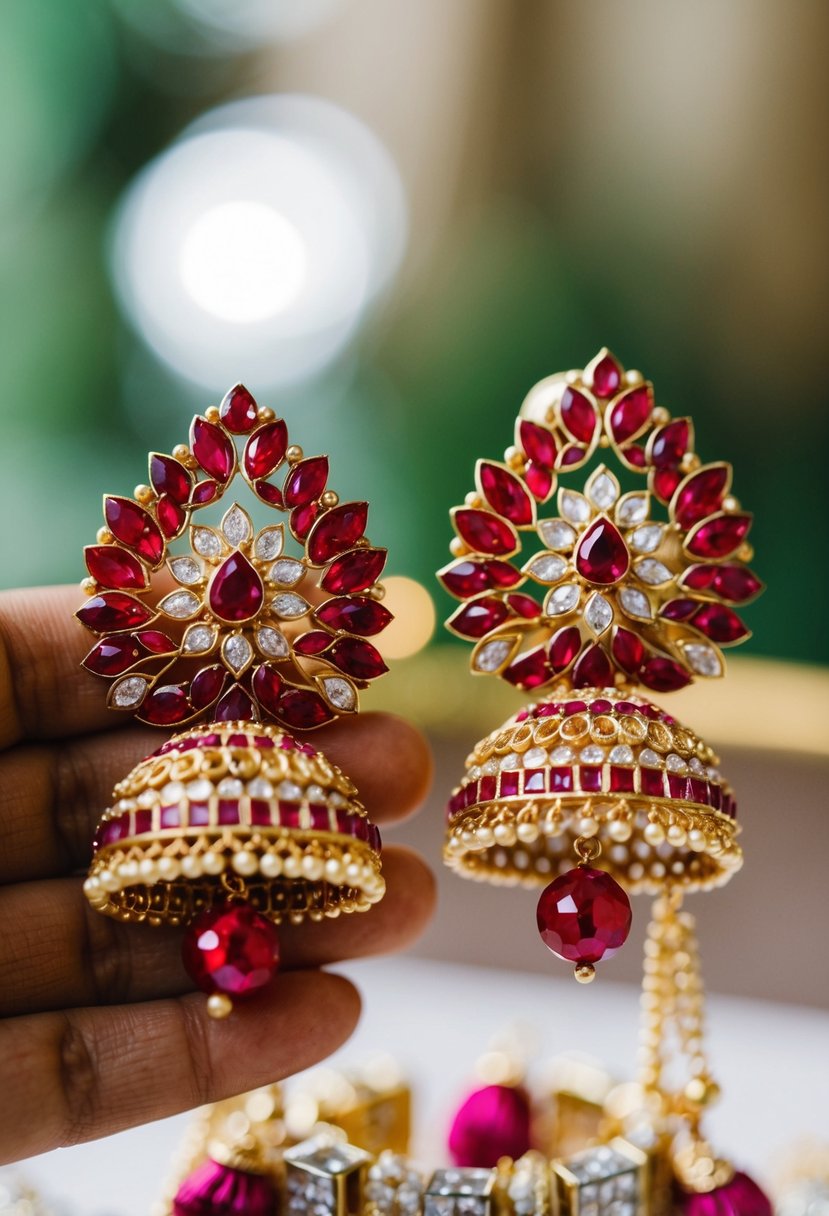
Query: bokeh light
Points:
[414, 617]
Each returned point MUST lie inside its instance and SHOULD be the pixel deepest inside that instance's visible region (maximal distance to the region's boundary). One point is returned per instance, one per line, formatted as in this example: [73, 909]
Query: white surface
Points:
[437, 1018]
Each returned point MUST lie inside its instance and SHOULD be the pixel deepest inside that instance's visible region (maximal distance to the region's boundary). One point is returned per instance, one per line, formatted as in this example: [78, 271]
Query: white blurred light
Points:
[249, 22]
[255, 244]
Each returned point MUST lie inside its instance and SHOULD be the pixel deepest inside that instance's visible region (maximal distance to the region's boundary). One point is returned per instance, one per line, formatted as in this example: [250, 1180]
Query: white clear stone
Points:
[713, 774]
[185, 570]
[557, 534]
[490, 766]
[696, 766]
[289, 789]
[173, 791]
[547, 567]
[534, 757]
[180, 605]
[675, 764]
[632, 509]
[474, 773]
[260, 788]
[592, 754]
[621, 754]
[206, 542]
[237, 652]
[230, 787]
[272, 642]
[647, 538]
[652, 572]
[511, 761]
[574, 506]
[649, 758]
[129, 692]
[602, 489]
[315, 793]
[269, 543]
[563, 599]
[200, 790]
[289, 606]
[198, 639]
[561, 755]
[598, 613]
[635, 603]
[339, 692]
[287, 572]
[703, 659]
[492, 654]
[236, 526]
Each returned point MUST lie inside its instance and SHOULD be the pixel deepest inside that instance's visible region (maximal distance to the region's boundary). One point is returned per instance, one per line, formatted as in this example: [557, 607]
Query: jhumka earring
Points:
[233, 825]
[592, 790]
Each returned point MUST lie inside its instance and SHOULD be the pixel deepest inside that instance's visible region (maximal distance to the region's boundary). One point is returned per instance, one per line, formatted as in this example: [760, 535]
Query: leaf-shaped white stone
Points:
[635, 603]
[602, 489]
[573, 506]
[592, 754]
[272, 642]
[289, 606]
[621, 754]
[632, 509]
[652, 572]
[491, 655]
[598, 613]
[206, 542]
[185, 570]
[129, 692]
[563, 599]
[287, 572]
[269, 543]
[237, 652]
[703, 659]
[180, 605]
[646, 538]
[557, 534]
[547, 567]
[198, 639]
[340, 692]
[236, 526]
[649, 759]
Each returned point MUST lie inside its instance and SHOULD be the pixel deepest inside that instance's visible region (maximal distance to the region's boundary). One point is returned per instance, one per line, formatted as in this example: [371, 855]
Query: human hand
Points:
[99, 1030]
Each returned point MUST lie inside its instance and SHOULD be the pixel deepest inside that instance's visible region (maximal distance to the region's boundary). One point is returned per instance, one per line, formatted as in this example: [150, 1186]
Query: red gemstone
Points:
[357, 658]
[635, 455]
[607, 377]
[564, 647]
[664, 675]
[236, 592]
[265, 450]
[171, 517]
[207, 685]
[354, 571]
[584, 916]
[166, 705]
[113, 567]
[719, 624]
[113, 611]
[733, 582]
[337, 530]
[306, 481]
[168, 476]
[631, 412]
[238, 410]
[484, 531]
[267, 685]
[112, 656]
[670, 443]
[132, 525]
[524, 605]
[700, 494]
[531, 670]
[628, 650]
[465, 578]
[214, 1188]
[235, 706]
[538, 443]
[719, 536]
[359, 614]
[477, 618]
[313, 642]
[505, 493]
[665, 482]
[232, 949]
[204, 493]
[593, 670]
[155, 641]
[602, 555]
[540, 481]
[739, 1197]
[213, 449]
[302, 519]
[678, 610]
[578, 415]
[269, 494]
[492, 1123]
[303, 709]
[571, 455]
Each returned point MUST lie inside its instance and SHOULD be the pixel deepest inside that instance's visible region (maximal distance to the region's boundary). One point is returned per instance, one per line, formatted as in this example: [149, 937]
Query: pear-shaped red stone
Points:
[539, 481]
[357, 658]
[338, 529]
[665, 482]
[664, 675]
[306, 481]
[112, 656]
[538, 443]
[584, 916]
[505, 493]
[700, 494]
[113, 567]
[602, 555]
[354, 614]
[171, 517]
[213, 449]
[531, 670]
[236, 592]
[564, 647]
[465, 578]
[719, 624]
[670, 443]
[485, 532]
[578, 414]
[477, 618]
[238, 410]
[207, 685]
[631, 413]
[303, 709]
[354, 571]
[302, 519]
[719, 536]
[593, 670]
[267, 685]
[168, 476]
[628, 650]
[265, 450]
[134, 527]
[607, 377]
[113, 611]
[166, 705]
[235, 706]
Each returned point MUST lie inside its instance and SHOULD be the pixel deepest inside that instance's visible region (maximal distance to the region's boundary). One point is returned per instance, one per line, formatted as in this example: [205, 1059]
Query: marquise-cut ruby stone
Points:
[631, 412]
[113, 567]
[602, 555]
[700, 494]
[112, 656]
[739, 1197]
[355, 571]
[628, 650]
[524, 605]
[477, 618]
[168, 476]
[265, 450]
[207, 685]
[539, 481]
[155, 641]
[357, 614]
[584, 916]
[492, 1123]
[303, 709]
[213, 449]
[665, 482]
[214, 1188]
[593, 669]
[302, 519]
[663, 675]
[607, 377]
[235, 706]
[236, 592]
[719, 536]
[270, 494]
[670, 443]
[313, 642]
[113, 611]
[171, 517]
[306, 481]
[466, 577]
[719, 623]
[204, 493]
[357, 658]
[166, 705]
[485, 532]
[538, 443]
[134, 527]
[564, 647]
[267, 685]
[635, 454]
[232, 949]
[733, 582]
[578, 415]
[238, 410]
[678, 610]
[505, 493]
[572, 454]
[338, 529]
[531, 670]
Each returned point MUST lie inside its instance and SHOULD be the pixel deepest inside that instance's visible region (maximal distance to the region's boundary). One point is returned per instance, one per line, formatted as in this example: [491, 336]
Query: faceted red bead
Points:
[168, 476]
[313, 642]
[665, 482]
[166, 705]
[232, 949]
[155, 641]
[607, 377]
[302, 709]
[204, 493]
[358, 614]
[631, 412]
[302, 519]
[485, 532]
[719, 536]
[235, 706]
[477, 618]
[214, 1188]
[739, 1197]
[238, 410]
[678, 610]
[593, 669]
[584, 916]
[306, 481]
[134, 527]
[171, 517]
[538, 443]
[464, 578]
[354, 571]
[531, 670]
[539, 481]
[270, 494]
[664, 675]
[733, 582]
[112, 656]
[337, 530]
[628, 650]
[267, 685]
[700, 494]
[113, 611]
[505, 493]
[670, 443]
[578, 415]
[719, 623]
[265, 450]
[492, 1123]
[602, 555]
[236, 592]
[213, 449]
[564, 647]
[207, 685]
[114, 567]
[357, 658]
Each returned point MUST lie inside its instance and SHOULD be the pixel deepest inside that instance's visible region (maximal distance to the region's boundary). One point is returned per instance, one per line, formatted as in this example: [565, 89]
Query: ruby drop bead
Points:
[492, 1123]
[215, 1188]
[739, 1197]
[584, 916]
[231, 948]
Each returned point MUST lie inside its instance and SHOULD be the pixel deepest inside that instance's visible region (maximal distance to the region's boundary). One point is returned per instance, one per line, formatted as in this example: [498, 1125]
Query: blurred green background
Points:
[558, 176]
